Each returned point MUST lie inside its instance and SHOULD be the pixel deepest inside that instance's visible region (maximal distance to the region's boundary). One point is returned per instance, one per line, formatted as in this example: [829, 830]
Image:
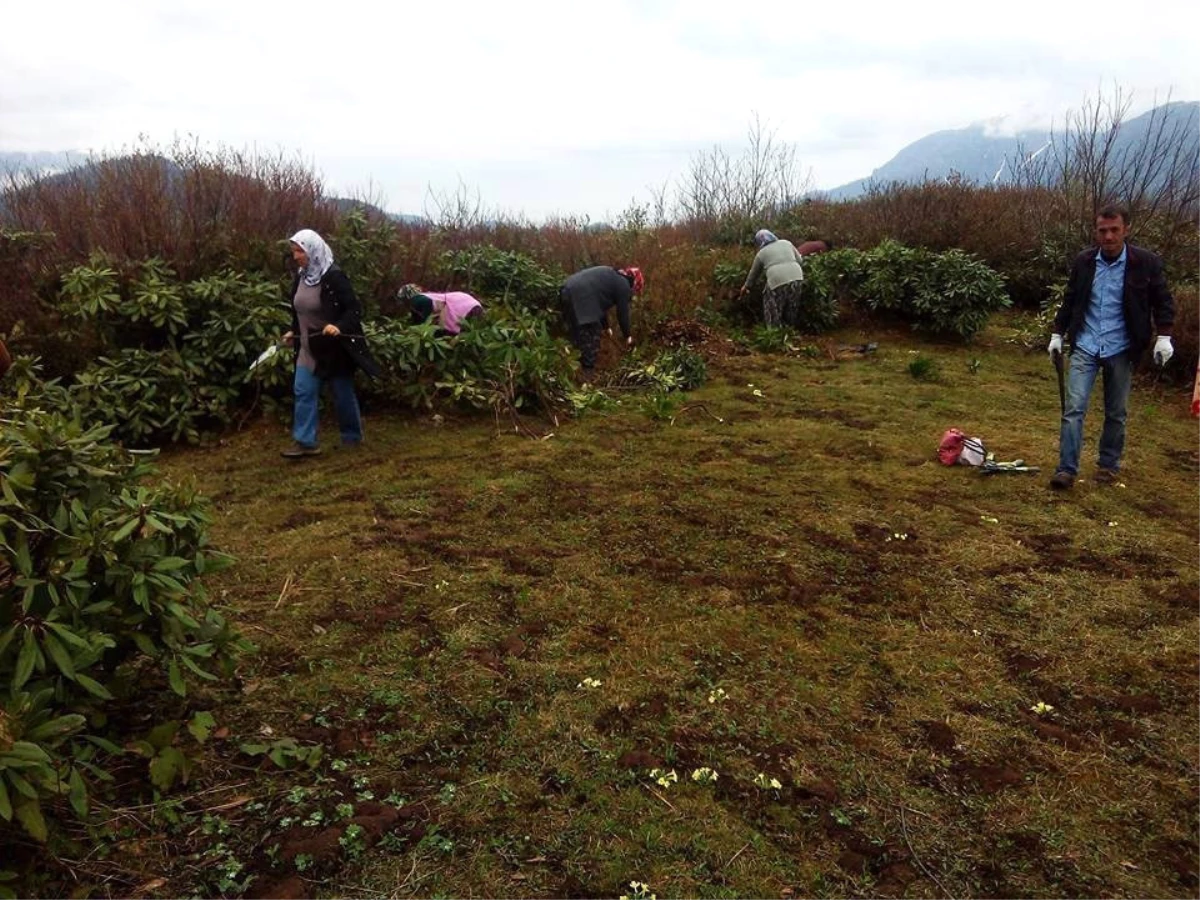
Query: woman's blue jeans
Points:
[307, 388]
[1118, 376]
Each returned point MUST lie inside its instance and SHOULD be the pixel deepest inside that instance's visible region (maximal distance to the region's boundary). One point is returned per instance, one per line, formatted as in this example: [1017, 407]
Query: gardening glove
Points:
[1055, 345]
[1163, 351]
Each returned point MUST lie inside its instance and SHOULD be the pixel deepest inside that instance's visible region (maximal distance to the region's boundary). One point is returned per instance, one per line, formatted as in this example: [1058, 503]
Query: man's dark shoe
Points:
[1107, 476]
[298, 451]
[1062, 481]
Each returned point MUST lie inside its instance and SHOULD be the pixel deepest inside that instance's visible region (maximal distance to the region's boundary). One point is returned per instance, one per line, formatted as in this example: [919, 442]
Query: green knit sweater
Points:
[780, 260]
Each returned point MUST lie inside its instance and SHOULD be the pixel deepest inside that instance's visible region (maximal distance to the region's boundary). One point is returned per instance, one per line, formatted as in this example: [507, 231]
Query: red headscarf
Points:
[635, 273]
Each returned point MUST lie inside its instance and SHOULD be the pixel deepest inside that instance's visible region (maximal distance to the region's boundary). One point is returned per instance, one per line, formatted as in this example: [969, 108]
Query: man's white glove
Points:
[1163, 350]
[1055, 345]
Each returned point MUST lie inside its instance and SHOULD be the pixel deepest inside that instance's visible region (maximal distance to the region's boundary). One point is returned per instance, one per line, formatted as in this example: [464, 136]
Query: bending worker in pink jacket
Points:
[452, 307]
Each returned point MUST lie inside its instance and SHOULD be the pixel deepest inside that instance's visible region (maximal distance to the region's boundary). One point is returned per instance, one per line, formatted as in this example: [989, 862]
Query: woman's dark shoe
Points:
[1062, 481]
[298, 450]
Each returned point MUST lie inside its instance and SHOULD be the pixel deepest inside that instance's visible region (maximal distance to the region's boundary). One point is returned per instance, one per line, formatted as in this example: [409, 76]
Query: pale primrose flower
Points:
[704, 775]
[664, 777]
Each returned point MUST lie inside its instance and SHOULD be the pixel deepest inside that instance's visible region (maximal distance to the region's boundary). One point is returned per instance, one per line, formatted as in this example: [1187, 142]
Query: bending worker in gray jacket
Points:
[780, 260]
[586, 298]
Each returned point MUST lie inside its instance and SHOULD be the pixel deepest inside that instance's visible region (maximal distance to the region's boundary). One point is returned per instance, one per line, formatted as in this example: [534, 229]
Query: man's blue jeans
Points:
[307, 388]
[1118, 375]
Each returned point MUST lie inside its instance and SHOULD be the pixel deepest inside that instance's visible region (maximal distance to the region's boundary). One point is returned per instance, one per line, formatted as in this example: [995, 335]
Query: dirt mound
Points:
[694, 335]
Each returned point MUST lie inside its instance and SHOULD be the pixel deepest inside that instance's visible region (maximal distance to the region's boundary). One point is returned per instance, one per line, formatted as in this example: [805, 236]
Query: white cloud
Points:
[565, 107]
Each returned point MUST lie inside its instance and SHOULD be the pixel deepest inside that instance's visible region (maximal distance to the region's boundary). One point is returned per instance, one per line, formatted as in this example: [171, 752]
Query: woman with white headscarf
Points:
[327, 335]
[780, 261]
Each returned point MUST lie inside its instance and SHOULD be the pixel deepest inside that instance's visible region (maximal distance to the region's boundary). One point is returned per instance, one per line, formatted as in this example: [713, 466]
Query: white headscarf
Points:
[320, 257]
[763, 237]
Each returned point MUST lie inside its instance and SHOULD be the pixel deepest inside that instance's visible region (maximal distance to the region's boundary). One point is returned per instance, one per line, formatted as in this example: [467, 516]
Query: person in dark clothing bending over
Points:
[586, 298]
[1116, 299]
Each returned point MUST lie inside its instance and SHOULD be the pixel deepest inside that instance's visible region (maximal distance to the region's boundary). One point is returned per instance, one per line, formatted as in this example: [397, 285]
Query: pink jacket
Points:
[452, 307]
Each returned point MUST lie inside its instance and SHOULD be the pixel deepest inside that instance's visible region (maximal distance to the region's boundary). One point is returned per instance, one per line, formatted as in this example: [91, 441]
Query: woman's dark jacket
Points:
[342, 354]
[1146, 301]
[587, 296]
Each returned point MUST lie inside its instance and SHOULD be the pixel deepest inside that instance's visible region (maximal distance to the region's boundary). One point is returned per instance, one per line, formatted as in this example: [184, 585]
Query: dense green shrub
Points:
[99, 579]
[508, 276]
[172, 358]
[949, 293]
[507, 359]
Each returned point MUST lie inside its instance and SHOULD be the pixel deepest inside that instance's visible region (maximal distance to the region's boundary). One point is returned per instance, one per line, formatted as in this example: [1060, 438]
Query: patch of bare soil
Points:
[837, 415]
[626, 718]
[986, 778]
[1048, 731]
[1182, 858]
[938, 735]
[1019, 663]
[301, 517]
[638, 759]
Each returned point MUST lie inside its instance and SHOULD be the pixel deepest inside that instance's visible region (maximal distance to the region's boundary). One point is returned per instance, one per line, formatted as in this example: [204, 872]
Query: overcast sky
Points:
[566, 108]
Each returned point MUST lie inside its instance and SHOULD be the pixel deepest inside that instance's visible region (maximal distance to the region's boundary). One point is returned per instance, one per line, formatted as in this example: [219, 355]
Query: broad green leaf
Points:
[92, 686]
[166, 767]
[68, 635]
[6, 809]
[201, 726]
[125, 530]
[206, 675]
[175, 678]
[162, 736]
[29, 814]
[77, 793]
[23, 560]
[106, 745]
[6, 638]
[25, 660]
[56, 727]
[23, 787]
[59, 654]
[145, 644]
[28, 750]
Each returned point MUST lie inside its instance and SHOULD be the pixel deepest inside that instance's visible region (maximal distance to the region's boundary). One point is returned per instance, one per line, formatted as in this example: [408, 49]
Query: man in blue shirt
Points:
[1116, 299]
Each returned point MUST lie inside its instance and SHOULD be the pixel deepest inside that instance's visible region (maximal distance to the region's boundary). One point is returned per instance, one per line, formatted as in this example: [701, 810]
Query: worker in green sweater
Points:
[780, 261]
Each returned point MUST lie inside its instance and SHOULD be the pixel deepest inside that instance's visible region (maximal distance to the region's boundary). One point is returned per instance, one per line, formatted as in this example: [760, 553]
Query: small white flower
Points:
[1112, 524]
[763, 781]
[1041, 708]
[704, 775]
[992, 519]
[718, 694]
[590, 683]
[758, 393]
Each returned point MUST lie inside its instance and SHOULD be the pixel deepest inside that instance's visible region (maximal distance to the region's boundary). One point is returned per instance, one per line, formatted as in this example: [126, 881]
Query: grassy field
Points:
[506, 646]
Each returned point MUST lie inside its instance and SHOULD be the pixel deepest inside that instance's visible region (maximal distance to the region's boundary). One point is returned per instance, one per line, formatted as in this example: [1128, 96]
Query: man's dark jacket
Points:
[343, 354]
[1147, 302]
[587, 297]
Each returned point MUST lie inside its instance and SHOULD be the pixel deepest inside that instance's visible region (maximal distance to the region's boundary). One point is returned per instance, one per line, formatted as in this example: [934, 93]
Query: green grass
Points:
[428, 607]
